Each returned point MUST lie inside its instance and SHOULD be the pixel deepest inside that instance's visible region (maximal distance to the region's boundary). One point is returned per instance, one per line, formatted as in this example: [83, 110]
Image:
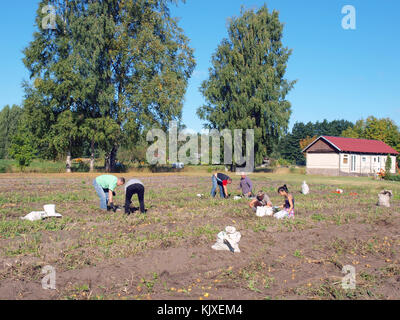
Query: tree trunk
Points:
[111, 159]
[92, 157]
[68, 162]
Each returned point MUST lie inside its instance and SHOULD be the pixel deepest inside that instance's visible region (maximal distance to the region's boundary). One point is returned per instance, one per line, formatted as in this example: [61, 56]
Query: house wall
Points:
[323, 163]
[333, 164]
[365, 164]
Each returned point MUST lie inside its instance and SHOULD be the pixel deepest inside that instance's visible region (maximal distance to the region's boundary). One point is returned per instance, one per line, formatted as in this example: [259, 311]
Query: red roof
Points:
[360, 145]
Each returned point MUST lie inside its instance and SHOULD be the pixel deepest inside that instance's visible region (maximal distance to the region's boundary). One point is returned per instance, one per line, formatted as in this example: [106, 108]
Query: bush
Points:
[284, 162]
[388, 166]
[81, 166]
[120, 167]
[21, 150]
[392, 177]
[5, 168]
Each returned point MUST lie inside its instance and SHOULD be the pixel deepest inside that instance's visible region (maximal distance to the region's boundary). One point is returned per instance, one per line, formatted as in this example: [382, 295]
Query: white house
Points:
[337, 156]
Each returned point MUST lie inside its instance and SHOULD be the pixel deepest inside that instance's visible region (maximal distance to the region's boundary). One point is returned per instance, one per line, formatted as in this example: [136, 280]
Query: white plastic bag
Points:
[305, 188]
[264, 211]
[49, 211]
[230, 234]
[281, 214]
[34, 216]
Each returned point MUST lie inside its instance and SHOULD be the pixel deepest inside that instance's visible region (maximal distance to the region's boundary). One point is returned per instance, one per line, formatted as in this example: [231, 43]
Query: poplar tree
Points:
[246, 88]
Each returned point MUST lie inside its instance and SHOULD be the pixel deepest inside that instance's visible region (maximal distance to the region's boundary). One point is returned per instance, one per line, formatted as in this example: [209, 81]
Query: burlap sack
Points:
[384, 198]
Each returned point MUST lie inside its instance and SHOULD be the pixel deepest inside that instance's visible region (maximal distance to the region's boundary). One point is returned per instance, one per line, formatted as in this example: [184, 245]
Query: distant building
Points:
[337, 156]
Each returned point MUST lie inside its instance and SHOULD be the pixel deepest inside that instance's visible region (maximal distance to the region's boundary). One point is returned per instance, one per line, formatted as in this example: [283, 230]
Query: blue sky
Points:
[348, 74]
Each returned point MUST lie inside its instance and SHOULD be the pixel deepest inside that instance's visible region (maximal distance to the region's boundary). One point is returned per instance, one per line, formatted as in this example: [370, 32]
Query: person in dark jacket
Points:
[134, 186]
[221, 180]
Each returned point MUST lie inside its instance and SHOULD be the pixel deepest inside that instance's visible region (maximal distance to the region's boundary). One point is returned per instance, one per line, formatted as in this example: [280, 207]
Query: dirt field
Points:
[167, 253]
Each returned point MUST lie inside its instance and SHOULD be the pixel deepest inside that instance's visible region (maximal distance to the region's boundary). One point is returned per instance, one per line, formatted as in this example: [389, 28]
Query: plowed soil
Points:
[166, 254]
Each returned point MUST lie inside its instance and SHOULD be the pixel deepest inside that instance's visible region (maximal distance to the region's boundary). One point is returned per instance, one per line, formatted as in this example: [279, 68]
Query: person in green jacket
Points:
[105, 186]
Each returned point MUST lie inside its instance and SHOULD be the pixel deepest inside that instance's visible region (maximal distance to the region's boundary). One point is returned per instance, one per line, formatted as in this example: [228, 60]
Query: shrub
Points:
[5, 168]
[81, 166]
[388, 166]
[22, 150]
[120, 167]
[392, 177]
[284, 162]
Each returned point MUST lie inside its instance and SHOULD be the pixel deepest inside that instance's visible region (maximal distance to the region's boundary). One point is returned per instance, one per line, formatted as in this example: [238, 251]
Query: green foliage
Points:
[5, 167]
[289, 146]
[246, 88]
[108, 72]
[392, 177]
[383, 129]
[21, 150]
[388, 165]
[9, 121]
[284, 162]
[81, 167]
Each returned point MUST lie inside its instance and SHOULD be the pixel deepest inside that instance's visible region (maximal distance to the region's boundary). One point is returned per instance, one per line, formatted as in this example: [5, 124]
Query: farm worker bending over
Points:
[134, 186]
[261, 200]
[105, 186]
[246, 186]
[221, 180]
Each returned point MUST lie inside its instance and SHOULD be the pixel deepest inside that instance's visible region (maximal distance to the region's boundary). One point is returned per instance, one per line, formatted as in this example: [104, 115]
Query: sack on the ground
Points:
[281, 214]
[49, 211]
[305, 188]
[264, 211]
[237, 198]
[232, 236]
[384, 198]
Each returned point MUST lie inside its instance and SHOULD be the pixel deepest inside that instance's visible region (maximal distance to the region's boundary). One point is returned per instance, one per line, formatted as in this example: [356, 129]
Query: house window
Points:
[345, 159]
[379, 159]
[364, 159]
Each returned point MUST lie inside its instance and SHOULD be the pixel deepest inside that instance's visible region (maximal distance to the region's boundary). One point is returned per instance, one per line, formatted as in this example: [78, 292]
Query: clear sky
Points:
[348, 74]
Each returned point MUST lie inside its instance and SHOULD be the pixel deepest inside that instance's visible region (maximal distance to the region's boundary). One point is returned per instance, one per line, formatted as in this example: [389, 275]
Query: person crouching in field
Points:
[288, 206]
[134, 186]
[261, 200]
[221, 180]
[105, 186]
[246, 186]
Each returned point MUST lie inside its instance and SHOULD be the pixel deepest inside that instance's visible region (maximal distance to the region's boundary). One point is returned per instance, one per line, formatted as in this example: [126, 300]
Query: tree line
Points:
[111, 70]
